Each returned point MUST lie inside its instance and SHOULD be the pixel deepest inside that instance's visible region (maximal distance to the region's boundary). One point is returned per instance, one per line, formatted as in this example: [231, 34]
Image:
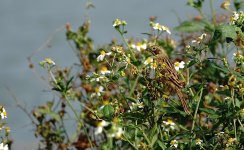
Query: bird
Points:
[167, 75]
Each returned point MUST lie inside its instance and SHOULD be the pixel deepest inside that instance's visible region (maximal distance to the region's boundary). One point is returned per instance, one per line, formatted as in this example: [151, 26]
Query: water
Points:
[25, 25]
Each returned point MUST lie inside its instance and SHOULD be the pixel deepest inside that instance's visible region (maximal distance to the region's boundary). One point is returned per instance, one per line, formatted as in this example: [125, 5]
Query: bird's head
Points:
[155, 50]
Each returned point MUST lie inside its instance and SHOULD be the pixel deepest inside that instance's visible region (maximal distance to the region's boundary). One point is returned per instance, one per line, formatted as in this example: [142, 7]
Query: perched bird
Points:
[166, 74]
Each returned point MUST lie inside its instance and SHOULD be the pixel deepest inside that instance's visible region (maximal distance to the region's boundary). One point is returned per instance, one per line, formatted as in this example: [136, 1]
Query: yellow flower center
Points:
[105, 102]
[5, 113]
[149, 60]
[177, 64]
[115, 120]
[170, 121]
[104, 69]
[139, 44]
[198, 141]
[102, 52]
[154, 65]
[128, 60]
[97, 89]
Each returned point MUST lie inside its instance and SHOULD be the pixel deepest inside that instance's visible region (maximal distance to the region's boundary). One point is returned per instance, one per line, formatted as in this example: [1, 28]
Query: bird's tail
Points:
[183, 101]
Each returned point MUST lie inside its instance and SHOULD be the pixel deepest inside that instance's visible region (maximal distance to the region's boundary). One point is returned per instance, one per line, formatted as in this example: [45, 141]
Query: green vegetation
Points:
[115, 103]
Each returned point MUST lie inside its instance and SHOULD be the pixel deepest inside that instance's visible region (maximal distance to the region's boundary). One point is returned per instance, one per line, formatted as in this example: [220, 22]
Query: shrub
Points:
[117, 103]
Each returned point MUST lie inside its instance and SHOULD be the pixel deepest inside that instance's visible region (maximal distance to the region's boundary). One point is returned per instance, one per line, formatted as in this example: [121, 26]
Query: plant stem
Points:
[77, 118]
[134, 86]
[130, 142]
[71, 107]
[233, 101]
[131, 52]
[195, 114]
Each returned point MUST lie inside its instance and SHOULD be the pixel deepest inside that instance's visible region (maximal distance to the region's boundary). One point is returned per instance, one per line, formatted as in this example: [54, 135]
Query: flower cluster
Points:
[238, 58]
[3, 115]
[200, 39]
[139, 46]
[102, 55]
[47, 62]
[118, 22]
[113, 131]
[237, 18]
[157, 26]
[169, 125]
[174, 143]
[3, 112]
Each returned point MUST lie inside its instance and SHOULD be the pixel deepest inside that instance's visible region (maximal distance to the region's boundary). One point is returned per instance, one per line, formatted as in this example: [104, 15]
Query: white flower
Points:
[98, 91]
[157, 26]
[202, 36]
[139, 46]
[97, 79]
[199, 39]
[174, 143]
[169, 124]
[179, 65]
[137, 104]
[235, 16]
[166, 29]
[100, 127]
[118, 22]
[198, 141]
[104, 70]
[148, 61]
[102, 55]
[3, 147]
[47, 61]
[3, 113]
[119, 132]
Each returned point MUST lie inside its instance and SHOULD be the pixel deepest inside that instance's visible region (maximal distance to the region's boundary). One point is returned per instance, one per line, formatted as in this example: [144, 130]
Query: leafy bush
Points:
[117, 103]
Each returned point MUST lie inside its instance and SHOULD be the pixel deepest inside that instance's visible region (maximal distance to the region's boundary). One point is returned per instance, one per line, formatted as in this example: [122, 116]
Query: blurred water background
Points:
[26, 24]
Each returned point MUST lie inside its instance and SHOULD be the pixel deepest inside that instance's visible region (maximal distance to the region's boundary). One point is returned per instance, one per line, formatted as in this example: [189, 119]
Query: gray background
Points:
[26, 24]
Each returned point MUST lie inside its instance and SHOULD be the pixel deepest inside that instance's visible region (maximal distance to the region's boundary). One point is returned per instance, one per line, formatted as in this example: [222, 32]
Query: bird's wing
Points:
[170, 73]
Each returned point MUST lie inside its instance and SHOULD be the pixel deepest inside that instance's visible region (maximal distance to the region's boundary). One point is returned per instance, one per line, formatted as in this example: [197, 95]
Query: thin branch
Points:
[19, 105]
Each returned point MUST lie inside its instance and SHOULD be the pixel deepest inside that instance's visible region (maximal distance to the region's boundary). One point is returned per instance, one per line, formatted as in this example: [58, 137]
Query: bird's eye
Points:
[154, 48]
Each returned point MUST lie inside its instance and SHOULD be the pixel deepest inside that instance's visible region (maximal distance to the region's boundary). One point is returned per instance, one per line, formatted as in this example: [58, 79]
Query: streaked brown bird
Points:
[166, 74]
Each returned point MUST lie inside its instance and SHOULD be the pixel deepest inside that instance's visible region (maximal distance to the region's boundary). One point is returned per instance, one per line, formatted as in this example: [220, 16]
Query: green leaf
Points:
[115, 77]
[54, 115]
[121, 68]
[190, 26]
[162, 145]
[228, 31]
[238, 4]
[195, 4]
[131, 99]
[238, 103]
[154, 139]
[108, 111]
